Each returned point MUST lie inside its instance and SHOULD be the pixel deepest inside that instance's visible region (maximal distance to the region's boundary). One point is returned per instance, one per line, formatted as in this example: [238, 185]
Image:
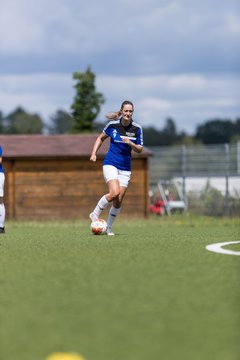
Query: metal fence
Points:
[209, 175]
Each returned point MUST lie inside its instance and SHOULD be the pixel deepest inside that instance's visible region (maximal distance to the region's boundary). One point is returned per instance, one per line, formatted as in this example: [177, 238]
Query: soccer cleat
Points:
[2, 230]
[110, 232]
[93, 217]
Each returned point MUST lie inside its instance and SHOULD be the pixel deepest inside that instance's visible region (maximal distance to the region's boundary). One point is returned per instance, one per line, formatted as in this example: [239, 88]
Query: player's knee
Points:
[115, 194]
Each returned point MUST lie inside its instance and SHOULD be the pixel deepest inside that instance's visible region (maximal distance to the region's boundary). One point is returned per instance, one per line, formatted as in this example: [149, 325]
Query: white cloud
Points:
[177, 58]
[38, 93]
[188, 99]
[151, 29]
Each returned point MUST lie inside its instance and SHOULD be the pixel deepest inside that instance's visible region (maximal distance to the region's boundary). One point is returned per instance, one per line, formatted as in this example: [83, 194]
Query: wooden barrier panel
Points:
[38, 189]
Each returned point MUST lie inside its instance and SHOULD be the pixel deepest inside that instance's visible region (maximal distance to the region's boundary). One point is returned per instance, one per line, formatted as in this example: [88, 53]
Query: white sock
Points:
[101, 205]
[2, 215]
[113, 213]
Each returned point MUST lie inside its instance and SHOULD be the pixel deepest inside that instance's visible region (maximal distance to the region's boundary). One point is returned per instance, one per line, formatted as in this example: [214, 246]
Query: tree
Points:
[167, 136]
[236, 130]
[237, 126]
[169, 132]
[61, 123]
[215, 131]
[21, 122]
[87, 102]
[1, 123]
[170, 127]
[151, 136]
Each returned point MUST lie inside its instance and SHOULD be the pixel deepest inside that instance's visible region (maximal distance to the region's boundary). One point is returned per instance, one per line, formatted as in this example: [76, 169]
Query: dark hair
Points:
[116, 114]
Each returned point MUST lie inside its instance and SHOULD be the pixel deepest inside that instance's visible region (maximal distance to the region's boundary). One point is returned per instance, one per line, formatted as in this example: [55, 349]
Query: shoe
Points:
[93, 217]
[110, 232]
[2, 230]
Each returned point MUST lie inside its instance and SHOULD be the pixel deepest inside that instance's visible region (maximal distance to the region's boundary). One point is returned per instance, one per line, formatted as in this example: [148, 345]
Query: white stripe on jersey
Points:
[127, 137]
[111, 122]
[140, 127]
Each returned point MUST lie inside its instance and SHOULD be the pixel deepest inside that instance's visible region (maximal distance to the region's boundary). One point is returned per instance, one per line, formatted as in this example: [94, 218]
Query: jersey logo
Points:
[114, 133]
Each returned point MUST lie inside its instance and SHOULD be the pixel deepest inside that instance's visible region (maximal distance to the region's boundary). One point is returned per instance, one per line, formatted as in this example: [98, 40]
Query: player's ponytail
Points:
[113, 115]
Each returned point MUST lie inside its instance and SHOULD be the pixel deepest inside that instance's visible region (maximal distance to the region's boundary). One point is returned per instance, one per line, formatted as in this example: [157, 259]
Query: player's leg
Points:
[101, 205]
[111, 177]
[2, 207]
[115, 209]
[124, 178]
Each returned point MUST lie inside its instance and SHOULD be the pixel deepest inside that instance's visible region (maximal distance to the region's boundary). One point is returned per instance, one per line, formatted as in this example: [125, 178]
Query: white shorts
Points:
[111, 173]
[2, 179]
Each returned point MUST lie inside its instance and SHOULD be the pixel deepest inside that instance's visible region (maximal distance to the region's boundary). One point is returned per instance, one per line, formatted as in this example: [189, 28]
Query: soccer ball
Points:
[99, 227]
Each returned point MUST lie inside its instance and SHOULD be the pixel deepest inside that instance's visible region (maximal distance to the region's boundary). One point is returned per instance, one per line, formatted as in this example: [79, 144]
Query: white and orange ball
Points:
[99, 227]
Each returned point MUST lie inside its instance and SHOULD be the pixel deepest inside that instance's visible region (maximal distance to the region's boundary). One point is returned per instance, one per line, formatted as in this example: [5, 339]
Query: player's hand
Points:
[93, 158]
[126, 140]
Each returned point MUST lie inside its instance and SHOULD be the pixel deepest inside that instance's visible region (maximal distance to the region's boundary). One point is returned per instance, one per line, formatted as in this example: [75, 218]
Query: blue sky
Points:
[178, 59]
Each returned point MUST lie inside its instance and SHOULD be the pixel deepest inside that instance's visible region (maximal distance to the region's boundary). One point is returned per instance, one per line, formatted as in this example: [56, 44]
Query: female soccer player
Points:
[125, 136]
[2, 207]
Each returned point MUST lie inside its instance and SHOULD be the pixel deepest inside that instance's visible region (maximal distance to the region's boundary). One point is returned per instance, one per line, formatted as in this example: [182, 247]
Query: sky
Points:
[178, 59]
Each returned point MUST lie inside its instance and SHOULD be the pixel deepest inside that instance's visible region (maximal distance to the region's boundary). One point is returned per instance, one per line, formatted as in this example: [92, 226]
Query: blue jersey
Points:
[1, 167]
[119, 153]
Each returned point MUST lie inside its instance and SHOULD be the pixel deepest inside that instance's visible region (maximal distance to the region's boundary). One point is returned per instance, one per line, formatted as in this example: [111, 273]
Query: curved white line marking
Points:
[218, 248]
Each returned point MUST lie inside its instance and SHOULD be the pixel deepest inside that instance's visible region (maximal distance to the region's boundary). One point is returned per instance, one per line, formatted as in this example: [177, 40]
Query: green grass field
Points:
[151, 292]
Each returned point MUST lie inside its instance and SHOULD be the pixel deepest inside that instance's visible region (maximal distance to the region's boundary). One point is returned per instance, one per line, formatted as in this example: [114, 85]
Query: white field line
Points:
[218, 248]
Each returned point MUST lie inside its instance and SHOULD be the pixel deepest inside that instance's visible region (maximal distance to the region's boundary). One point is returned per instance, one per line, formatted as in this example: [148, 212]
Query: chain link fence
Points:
[207, 175]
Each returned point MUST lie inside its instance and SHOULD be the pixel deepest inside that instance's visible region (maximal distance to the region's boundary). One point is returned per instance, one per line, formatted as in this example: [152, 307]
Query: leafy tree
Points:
[61, 123]
[236, 137]
[237, 126]
[21, 122]
[167, 136]
[215, 131]
[1, 123]
[87, 102]
[169, 132]
[151, 136]
[170, 127]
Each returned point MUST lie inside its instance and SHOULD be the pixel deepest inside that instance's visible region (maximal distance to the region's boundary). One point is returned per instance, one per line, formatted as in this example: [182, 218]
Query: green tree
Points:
[167, 136]
[237, 126]
[61, 123]
[151, 136]
[215, 131]
[169, 132]
[2, 129]
[87, 102]
[21, 122]
[236, 130]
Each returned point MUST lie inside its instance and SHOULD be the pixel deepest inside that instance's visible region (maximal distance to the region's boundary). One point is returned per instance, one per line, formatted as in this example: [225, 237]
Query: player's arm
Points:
[136, 147]
[98, 143]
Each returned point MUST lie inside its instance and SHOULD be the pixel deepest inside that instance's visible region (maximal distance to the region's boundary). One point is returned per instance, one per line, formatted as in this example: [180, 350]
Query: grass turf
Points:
[151, 292]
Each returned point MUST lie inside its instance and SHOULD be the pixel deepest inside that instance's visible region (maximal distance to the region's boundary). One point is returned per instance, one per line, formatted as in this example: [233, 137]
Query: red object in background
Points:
[158, 207]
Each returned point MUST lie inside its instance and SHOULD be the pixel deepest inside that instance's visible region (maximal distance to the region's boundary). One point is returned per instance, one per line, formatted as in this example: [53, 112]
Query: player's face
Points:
[127, 112]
